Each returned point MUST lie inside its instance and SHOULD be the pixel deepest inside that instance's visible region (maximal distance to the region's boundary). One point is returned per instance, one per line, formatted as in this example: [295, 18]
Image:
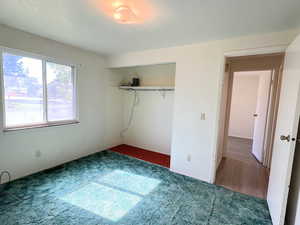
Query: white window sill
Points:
[50, 124]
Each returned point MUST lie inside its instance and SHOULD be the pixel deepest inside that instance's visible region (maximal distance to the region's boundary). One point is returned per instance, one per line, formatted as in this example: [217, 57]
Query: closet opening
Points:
[145, 95]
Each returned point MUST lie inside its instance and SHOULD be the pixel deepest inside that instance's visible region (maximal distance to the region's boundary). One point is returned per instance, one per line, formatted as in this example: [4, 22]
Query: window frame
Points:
[45, 60]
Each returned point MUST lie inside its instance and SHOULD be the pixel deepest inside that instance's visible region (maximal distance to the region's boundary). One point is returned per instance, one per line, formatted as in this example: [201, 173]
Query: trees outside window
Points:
[34, 94]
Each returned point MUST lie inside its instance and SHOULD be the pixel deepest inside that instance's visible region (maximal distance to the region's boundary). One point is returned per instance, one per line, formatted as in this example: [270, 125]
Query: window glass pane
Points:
[23, 90]
[60, 92]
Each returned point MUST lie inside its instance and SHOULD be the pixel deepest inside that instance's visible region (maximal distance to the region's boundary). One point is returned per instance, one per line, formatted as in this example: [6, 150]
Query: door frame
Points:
[272, 116]
[272, 113]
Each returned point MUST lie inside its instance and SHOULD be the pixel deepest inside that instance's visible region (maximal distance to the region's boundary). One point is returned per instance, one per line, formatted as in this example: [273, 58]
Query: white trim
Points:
[237, 136]
[45, 60]
[41, 125]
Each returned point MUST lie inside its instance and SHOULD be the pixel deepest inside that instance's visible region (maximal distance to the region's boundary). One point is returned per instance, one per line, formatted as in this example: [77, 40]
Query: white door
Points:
[261, 114]
[287, 125]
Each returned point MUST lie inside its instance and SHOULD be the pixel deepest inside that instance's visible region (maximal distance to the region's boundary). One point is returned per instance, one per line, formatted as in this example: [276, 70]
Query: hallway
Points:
[239, 171]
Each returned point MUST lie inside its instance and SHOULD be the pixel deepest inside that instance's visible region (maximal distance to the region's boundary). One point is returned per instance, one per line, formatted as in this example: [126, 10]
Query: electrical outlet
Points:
[38, 153]
[188, 158]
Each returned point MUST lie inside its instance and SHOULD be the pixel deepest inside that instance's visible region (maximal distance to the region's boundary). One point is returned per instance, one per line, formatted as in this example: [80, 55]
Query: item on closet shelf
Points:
[4, 174]
[135, 82]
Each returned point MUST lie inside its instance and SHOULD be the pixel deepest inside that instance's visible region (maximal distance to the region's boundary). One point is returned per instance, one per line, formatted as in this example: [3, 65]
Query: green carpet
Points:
[111, 189]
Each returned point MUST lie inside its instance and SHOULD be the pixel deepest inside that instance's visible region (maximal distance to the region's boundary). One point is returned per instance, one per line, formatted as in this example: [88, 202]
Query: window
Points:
[60, 92]
[37, 92]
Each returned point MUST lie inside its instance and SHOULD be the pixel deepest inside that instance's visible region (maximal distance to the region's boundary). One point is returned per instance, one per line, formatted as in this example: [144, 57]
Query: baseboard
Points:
[230, 136]
[13, 178]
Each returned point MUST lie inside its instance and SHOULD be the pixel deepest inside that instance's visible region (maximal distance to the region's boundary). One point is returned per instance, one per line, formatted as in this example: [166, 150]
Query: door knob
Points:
[255, 115]
[285, 138]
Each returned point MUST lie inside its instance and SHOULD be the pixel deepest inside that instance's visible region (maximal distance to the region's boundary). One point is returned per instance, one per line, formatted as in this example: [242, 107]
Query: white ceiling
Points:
[177, 22]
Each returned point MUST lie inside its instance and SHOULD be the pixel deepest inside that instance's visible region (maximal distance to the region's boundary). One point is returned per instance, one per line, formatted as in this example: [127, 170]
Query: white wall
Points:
[243, 104]
[114, 109]
[199, 74]
[151, 127]
[64, 143]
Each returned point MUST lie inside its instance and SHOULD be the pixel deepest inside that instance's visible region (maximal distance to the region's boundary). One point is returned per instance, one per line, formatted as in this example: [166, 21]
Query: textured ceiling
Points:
[83, 23]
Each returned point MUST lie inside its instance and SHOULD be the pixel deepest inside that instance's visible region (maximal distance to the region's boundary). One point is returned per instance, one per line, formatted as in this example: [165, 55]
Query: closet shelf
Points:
[147, 88]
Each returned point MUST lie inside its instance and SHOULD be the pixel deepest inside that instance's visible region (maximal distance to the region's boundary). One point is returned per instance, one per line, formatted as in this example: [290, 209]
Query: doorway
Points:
[249, 110]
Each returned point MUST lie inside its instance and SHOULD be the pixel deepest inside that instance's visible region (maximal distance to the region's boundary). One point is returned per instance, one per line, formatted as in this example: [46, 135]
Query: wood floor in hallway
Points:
[239, 171]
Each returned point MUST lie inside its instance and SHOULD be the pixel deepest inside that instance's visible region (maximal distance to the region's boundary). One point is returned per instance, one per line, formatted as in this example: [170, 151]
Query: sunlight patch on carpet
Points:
[131, 182]
[104, 201]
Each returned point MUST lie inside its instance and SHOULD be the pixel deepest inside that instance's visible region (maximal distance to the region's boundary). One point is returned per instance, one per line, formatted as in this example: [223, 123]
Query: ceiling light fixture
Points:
[124, 14]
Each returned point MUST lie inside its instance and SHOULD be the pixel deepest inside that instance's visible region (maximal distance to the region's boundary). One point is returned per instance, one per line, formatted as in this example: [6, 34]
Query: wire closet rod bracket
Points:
[161, 90]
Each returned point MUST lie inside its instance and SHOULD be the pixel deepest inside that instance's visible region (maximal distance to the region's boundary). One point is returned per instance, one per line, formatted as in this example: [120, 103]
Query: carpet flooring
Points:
[108, 188]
